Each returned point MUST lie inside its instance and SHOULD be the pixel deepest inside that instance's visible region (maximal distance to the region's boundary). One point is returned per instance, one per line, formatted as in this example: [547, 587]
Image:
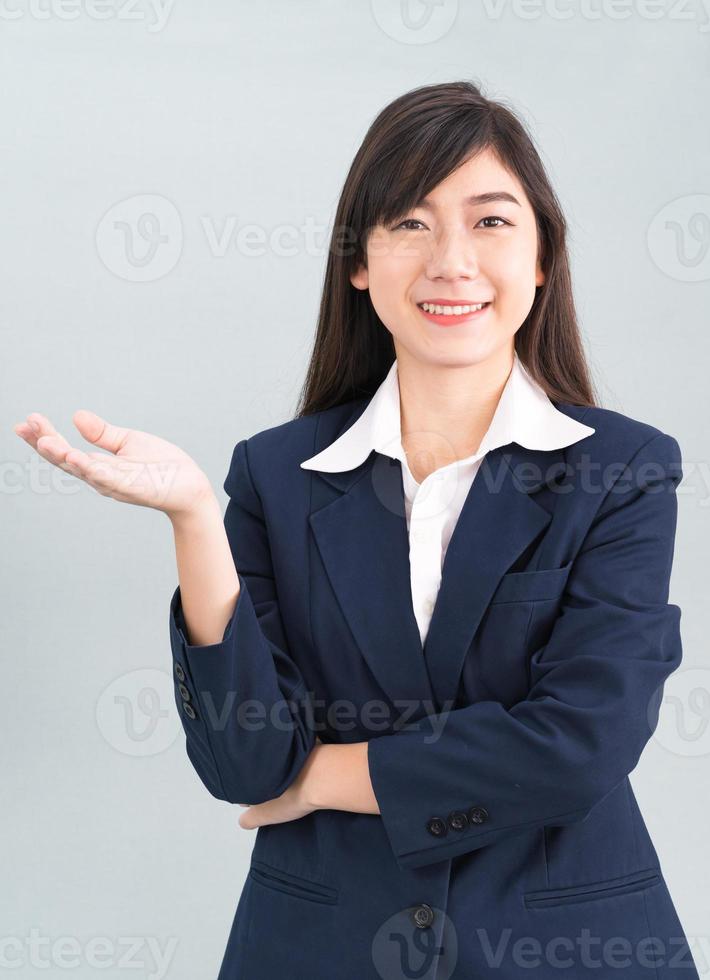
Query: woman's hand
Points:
[335, 776]
[294, 803]
[138, 468]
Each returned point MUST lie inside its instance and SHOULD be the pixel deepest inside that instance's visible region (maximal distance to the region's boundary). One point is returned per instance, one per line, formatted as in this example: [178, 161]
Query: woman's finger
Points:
[54, 449]
[25, 430]
[36, 426]
[100, 473]
[39, 432]
[98, 431]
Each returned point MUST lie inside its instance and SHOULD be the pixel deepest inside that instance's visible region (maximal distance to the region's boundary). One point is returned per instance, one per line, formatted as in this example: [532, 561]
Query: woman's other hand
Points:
[138, 468]
[294, 803]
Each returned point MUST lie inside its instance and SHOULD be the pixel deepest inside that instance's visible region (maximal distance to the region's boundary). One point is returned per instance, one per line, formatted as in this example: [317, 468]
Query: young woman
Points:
[427, 643]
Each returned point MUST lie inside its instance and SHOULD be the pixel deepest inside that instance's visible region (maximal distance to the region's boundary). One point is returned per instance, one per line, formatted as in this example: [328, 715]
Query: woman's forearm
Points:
[338, 778]
[209, 586]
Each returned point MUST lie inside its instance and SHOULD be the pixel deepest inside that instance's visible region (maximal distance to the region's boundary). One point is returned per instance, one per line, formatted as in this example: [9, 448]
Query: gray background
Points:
[250, 114]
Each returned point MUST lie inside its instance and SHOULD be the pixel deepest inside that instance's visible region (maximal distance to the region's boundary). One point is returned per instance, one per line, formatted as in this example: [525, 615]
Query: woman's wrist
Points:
[204, 511]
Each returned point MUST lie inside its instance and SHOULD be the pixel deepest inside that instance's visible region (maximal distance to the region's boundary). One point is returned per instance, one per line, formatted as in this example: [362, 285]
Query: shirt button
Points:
[429, 605]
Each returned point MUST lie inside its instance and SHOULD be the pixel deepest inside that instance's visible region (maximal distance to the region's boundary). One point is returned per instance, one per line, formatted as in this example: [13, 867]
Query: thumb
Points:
[98, 431]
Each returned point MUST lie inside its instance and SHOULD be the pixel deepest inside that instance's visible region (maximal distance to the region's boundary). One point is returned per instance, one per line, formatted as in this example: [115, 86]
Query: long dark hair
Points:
[413, 144]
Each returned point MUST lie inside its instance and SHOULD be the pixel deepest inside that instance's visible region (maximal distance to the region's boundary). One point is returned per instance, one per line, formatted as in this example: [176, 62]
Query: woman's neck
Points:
[445, 410]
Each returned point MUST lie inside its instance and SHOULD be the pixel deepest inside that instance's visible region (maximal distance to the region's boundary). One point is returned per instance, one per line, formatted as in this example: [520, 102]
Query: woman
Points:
[427, 644]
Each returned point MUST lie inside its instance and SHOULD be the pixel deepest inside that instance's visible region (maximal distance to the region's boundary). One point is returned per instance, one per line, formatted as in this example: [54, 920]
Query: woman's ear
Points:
[360, 278]
[539, 274]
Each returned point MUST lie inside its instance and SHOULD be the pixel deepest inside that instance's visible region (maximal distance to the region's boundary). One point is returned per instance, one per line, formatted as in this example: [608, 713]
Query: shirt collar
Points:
[524, 414]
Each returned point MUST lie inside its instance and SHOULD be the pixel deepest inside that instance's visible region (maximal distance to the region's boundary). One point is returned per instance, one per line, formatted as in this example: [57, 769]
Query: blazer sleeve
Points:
[242, 701]
[593, 701]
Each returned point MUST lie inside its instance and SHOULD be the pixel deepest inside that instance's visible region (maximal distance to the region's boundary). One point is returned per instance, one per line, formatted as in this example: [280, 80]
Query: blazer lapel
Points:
[362, 539]
[499, 519]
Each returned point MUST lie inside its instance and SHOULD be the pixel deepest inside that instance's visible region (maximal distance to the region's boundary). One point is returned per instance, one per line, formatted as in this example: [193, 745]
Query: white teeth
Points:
[451, 310]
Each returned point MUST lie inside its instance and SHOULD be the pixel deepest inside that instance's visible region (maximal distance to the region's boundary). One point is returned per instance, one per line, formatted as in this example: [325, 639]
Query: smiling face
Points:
[461, 251]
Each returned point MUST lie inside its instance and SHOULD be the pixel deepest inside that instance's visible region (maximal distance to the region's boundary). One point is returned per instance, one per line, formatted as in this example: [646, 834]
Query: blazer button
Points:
[458, 820]
[437, 827]
[423, 916]
[179, 672]
[189, 710]
[185, 694]
[478, 814]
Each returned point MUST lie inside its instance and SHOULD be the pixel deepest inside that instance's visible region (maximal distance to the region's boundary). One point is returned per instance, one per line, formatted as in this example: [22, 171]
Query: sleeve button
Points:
[184, 693]
[189, 710]
[458, 820]
[478, 814]
[437, 827]
[179, 672]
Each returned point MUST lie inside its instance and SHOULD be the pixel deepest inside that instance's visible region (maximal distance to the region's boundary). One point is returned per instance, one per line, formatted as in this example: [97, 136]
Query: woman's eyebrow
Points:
[475, 199]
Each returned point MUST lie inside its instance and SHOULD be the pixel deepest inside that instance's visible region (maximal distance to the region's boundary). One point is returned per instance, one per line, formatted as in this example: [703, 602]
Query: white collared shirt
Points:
[524, 414]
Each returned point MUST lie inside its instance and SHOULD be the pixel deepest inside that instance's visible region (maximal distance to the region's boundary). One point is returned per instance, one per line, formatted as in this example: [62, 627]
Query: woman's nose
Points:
[451, 256]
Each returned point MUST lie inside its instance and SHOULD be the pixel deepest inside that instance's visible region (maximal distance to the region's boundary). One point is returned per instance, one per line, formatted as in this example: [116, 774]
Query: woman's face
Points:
[463, 252]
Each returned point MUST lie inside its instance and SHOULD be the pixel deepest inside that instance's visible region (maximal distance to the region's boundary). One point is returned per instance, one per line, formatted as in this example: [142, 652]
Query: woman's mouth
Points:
[449, 315]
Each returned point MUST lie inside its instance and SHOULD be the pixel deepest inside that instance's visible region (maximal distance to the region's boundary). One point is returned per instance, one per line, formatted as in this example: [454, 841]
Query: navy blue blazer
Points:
[509, 841]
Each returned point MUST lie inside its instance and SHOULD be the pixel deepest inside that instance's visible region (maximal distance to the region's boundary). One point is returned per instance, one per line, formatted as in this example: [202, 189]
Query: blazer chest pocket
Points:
[554, 897]
[284, 881]
[546, 583]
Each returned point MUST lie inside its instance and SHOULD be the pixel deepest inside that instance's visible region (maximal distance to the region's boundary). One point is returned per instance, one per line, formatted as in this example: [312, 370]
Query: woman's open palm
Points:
[138, 468]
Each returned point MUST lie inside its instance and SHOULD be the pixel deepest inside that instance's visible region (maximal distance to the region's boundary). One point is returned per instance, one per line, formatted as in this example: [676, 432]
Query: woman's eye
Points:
[407, 221]
[495, 218]
[416, 221]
